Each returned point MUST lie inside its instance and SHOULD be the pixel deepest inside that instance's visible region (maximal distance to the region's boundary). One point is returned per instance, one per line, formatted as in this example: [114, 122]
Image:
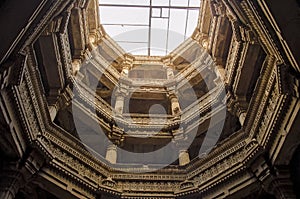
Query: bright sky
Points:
[149, 27]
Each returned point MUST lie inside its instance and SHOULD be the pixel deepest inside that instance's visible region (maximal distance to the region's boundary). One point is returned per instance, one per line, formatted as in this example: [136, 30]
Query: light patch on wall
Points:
[149, 27]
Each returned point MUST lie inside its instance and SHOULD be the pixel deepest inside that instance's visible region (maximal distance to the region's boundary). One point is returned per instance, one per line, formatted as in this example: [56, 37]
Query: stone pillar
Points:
[242, 117]
[10, 183]
[220, 71]
[76, 66]
[284, 192]
[182, 145]
[119, 104]
[125, 71]
[111, 153]
[184, 157]
[281, 185]
[281, 188]
[53, 112]
[175, 106]
[92, 41]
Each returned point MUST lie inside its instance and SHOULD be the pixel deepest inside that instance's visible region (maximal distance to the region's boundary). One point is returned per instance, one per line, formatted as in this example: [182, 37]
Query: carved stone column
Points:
[76, 66]
[237, 107]
[92, 42]
[10, 183]
[62, 101]
[119, 104]
[284, 190]
[53, 112]
[184, 157]
[279, 184]
[125, 71]
[15, 175]
[181, 142]
[116, 137]
[77, 32]
[242, 116]
[175, 106]
[111, 153]
[220, 71]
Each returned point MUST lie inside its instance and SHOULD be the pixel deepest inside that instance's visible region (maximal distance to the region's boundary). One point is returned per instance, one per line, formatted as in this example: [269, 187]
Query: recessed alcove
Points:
[148, 106]
[148, 71]
[149, 27]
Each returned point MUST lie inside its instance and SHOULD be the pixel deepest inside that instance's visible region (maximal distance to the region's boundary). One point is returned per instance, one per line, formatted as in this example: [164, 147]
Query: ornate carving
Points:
[11, 73]
[65, 154]
[109, 182]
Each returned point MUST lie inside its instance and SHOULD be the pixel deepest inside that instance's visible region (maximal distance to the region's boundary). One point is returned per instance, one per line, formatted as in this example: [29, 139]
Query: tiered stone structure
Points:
[62, 77]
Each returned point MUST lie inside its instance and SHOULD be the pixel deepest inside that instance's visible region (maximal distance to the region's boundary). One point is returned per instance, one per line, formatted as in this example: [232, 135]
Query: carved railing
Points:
[145, 119]
[131, 122]
[93, 101]
[203, 104]
[147, 82]
[105, 68]
[193, 69]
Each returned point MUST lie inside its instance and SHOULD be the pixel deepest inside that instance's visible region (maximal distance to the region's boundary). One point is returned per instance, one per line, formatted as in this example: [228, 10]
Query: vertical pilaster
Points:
[175, 106]
[182, 144]
[220, 71]
[53, 112]
[242, 116]
[125, 71]
[111, 153]
[119, 104]
[280, 185]
[10, 183]
[184, 157]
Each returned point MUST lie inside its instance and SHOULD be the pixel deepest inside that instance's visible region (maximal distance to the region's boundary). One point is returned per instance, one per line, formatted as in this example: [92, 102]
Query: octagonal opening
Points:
[149, 27]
